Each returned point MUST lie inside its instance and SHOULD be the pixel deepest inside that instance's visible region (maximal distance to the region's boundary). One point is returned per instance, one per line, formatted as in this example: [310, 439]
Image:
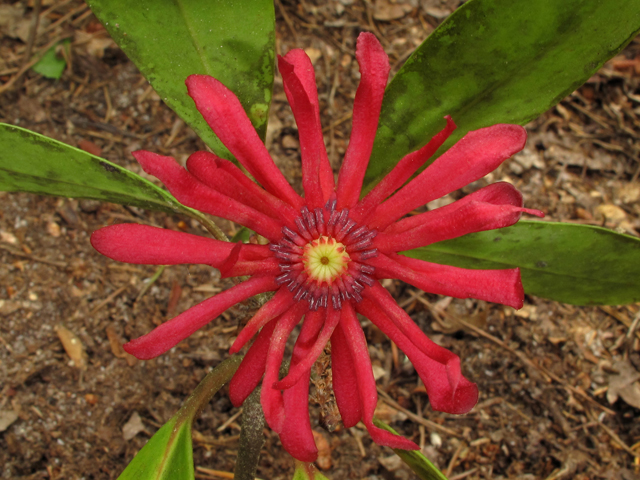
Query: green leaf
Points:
[497, 61]
[30, 162]
[307, 471]
[52, 65]
[168, 41]
[168, 455]
[570, 263]
[416, 461]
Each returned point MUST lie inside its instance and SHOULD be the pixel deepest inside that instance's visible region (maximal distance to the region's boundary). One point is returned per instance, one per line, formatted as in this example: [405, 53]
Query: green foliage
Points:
[30, 162]
[307, 471]
[497, 61]
[416, 461]
[570, 263]
[168, 41]
[169, 455]
[52, 64]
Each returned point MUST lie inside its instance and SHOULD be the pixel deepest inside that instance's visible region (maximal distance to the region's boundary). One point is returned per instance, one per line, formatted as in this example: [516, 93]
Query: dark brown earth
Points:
[549, 374]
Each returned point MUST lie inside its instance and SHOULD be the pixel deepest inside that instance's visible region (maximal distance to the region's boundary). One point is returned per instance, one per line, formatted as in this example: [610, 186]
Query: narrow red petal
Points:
[366, 383]
[448, 390]
[499, 286]
[217, 173]
[251, 369]
[300, 87]
[374, 70]
[195, 194]
[223, 112]
[271, 398]
[401, 172]
[304, 365]
[468, 215]
[280, 303]
[296, 436]
[345, 383]
[142, 244]
[476, 154]
[172, 332]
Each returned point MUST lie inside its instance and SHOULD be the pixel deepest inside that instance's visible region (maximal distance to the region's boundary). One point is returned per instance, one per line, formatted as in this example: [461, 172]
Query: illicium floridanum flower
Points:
[327, 250]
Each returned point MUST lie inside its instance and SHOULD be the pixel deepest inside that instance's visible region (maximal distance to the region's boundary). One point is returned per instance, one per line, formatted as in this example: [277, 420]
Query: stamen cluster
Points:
[347, 271]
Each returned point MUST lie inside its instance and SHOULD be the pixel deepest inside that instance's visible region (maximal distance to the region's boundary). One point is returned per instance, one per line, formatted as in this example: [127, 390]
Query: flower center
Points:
[325, 257]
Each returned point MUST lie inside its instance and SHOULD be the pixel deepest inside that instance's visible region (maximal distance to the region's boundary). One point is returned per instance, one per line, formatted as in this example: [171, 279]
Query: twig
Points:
[423, 421]
[32, 31]
[618, 440]
[34, 258]
[454, 460]
[108, 299]
[151, 281]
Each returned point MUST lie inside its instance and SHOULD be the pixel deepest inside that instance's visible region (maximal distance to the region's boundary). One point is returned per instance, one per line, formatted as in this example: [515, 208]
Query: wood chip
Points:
[73, 346]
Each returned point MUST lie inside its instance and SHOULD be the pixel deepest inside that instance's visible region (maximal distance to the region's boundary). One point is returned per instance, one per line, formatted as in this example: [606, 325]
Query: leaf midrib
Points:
[194, 38]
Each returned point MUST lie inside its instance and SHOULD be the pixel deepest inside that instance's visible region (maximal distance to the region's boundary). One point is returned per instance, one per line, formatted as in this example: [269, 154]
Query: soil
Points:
[556, 381]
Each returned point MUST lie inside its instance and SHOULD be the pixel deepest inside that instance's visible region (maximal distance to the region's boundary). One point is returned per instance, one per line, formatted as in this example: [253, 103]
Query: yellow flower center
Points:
[325, 259]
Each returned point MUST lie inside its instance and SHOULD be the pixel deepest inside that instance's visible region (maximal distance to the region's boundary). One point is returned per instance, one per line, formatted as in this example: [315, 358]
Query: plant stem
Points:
[251, 438]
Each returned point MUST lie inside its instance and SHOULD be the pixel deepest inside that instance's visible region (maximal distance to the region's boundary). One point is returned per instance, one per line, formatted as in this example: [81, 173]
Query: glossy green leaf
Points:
[168, 454]
[497, 61]
[30, 162]
[52, 63]
[570, 263]
[416, 461]
[170, 40]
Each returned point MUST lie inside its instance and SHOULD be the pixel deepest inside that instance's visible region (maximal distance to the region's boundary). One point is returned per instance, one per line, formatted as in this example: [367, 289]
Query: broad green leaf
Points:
[30, 162]
[497, 61]
[170, 40]
[416, 461]
[168, 455]
[570, 263]
[52, 64]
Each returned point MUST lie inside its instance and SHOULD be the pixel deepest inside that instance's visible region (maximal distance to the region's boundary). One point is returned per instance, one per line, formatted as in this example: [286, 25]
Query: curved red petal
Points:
[172, 332]
[345, 383]
[449, 391]
[357, 345]
[195, 194]
[226, 178]
[499, 286]
[251, 369]
[476, 154]
[280, 303]
[313, 352]
[468, 215]
[143, 244]
[300, 87]
[374, 70]
[271, 398]
[223, 112]
[401, 173]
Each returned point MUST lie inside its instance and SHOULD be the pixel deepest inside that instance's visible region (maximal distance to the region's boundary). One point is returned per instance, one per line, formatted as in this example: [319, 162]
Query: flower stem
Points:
[251, 438]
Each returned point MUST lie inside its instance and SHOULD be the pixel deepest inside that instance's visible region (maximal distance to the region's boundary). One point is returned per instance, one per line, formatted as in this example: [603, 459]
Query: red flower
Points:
[328, 250]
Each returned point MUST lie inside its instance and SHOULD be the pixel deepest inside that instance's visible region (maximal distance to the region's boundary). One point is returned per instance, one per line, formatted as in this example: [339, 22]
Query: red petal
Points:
[296, 436]
[500, 286]
[194, 194]
[223, 112]
[304, 365]
[345, 384]
[280, 303]
[468, 215]
[374, 70]
[476, 154]
[205, 167]
[402, 172]
[366, 383]
[271, 398]
[251, 369]
[448, 390]
[172, 332]
[235, 266]
[300, 86]
[142, 244]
